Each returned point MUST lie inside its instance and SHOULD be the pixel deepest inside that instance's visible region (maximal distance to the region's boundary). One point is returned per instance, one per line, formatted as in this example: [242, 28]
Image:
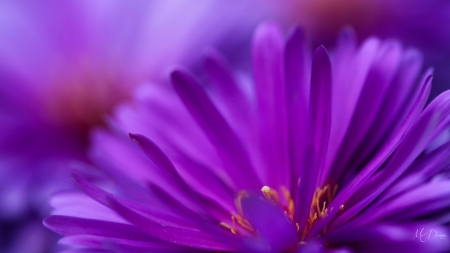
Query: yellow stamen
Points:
[228, 227]
[270, 194]
[319, 209]
[237, 201]
[266, 191]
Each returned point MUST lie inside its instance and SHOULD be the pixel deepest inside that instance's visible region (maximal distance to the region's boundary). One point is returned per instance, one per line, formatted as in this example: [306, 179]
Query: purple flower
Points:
[318, 153]
[65, 65]
[420, 24]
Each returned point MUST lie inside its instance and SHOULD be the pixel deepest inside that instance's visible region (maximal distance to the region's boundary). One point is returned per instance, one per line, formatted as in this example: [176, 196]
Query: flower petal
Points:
[297, 101]
[413, 144]
[67, 225]
[229, 147]
[362, 177]
[392, 110]
[184, 237]
[225, 88]
[268, 75]
[318, 133]
[370, 100]
[392, 238]
[93, 243]
[277, 231]
[426, 199]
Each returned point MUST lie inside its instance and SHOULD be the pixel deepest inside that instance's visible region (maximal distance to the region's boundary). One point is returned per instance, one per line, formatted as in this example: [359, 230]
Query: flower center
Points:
[239, 224]
[319, 206]
[317, 211]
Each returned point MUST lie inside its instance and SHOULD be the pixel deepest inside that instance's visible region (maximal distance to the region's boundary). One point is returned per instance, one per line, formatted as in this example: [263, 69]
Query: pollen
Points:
[319, 209]
[282, 198]
[239, 224]
[271, 194]
[287, 205]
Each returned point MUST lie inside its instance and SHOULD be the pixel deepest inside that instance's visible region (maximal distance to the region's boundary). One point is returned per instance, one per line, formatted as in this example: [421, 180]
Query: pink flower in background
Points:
[65, 64]
[416, 23]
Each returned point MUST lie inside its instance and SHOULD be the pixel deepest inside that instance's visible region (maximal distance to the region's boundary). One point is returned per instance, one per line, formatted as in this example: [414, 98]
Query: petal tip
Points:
[321, 50]
[296, 32]
[268, 33]
[134, 137]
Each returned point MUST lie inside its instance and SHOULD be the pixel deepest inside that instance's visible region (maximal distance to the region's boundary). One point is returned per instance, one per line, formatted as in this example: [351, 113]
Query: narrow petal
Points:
[320, 105]
[318, 132]
[423, 200]
[362, 177]
[152, 226]
[93, 243]
[67, 225]
[225, 88]
[313, 247]
[413, 144]
[268, 75]
[392, 111]
[179, 236]
[297, 100]
[421, 171]
[232, 152]
[105, 199]
[370, 100]
[347, 89]
[277, 231]
[158, 157]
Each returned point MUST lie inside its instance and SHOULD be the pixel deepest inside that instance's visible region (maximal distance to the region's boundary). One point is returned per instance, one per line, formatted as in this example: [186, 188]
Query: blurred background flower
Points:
[416, 23]
[339, 144]
[65, 64]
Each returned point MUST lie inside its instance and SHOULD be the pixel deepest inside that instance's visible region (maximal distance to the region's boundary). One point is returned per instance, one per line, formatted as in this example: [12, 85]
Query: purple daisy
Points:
[65, 65]
[318, 153]
[416, 23]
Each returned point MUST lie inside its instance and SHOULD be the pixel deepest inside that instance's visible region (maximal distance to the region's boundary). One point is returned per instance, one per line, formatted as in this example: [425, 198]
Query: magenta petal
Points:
[421, 171]
[158, 157]
[370, 100]
[179, 236]
[225, 88]
[66, 225]
[268, 74]
[429, 198]
[269, 221]
[92, 242]
[297, 100]
[320, 105]
[229, 147]
[413, 144]
[398, 98]
[442, 104]
[313, 247]
[318, 132]
[163, 163]
[105, 199]
[186, 237]
[360, 180]
[347, 89]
